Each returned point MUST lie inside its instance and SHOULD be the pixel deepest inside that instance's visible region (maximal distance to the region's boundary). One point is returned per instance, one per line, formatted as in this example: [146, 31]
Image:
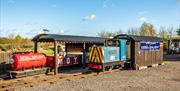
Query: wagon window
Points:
[112, 43]
[46, 48]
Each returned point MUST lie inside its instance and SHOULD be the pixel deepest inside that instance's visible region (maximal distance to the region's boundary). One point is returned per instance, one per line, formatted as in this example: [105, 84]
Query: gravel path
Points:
[161, 78]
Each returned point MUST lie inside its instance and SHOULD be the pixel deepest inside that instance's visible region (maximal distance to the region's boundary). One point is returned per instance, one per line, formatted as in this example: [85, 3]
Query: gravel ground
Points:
[161, 78]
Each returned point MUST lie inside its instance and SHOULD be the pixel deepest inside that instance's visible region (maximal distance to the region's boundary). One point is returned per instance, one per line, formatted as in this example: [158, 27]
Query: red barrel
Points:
[25, 61]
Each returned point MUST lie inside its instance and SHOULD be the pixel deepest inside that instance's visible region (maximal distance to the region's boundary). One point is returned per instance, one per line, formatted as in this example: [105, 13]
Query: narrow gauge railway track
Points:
[20, 82]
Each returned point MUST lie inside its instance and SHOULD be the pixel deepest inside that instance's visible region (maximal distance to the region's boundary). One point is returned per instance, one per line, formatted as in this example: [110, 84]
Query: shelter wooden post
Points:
[168, 51]
[35, 47]
[105, 43]
[84, 54]
[55, 58]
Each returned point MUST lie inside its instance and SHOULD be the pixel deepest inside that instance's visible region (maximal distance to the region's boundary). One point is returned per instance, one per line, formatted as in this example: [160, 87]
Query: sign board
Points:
[149, 46]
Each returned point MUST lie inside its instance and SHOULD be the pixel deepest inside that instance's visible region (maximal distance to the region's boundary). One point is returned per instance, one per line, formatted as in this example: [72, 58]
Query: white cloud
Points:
[143, 19]
[61, 31]
[89, 17]
[143, 16]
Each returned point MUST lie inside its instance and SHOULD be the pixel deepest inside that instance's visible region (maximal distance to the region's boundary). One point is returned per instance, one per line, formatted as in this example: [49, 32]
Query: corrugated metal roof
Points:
[138, 38]
[67, 38]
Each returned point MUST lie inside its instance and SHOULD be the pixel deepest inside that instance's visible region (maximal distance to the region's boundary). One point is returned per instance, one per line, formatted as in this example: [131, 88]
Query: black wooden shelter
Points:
[139, 57]
[67, 38]
[86, 41]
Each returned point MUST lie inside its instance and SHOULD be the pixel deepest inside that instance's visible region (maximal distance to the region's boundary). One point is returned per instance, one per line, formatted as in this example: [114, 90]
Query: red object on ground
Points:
[28, 60]
[95, 66]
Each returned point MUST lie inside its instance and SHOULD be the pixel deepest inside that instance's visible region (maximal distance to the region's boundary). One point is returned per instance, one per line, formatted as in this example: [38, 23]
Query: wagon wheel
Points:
[116, 67]
[135, 67]
[11, 75]
[47, 71]
[103, 68]
[108, 68]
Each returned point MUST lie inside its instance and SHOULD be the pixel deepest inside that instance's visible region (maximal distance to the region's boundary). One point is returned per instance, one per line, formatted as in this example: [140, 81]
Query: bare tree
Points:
[167, 33]
[106, 34]
[133, 31]
[171, 32]
[118, 32]
[11, 36]
[163, 33]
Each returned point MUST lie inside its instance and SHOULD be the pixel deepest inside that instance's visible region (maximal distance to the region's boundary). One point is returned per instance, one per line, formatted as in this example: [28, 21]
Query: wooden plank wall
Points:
[147, 58]
[5, 57]
[74, 47]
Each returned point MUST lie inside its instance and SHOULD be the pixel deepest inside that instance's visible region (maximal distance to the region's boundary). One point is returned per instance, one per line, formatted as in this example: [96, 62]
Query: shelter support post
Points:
[35, 47]
[55, 58]
[84, 55]
[168, 51]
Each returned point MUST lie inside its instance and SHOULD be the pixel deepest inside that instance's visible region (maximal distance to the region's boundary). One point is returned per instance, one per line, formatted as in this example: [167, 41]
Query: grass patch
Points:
[47, 52]
[166, 62]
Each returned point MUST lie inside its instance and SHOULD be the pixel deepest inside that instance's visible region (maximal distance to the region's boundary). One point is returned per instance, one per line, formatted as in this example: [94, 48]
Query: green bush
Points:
[2, 48]
[27, 46]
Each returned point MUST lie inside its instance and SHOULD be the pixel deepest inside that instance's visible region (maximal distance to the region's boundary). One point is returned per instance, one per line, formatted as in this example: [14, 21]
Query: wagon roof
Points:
[67, 38]
[138, 38]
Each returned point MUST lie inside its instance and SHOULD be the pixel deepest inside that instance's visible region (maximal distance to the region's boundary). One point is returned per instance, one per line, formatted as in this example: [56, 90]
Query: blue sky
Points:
[84, 17]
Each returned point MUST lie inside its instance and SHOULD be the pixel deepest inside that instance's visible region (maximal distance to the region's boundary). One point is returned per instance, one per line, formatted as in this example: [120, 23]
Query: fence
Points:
[4, 62]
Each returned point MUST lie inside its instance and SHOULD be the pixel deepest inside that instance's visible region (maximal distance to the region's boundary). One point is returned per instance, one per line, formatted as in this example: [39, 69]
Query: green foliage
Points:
[26, 41]
[2, 48]
[147, 29]
[27, 46]
[18, 39]
[6, 40]
[48, 52]
[15, 44]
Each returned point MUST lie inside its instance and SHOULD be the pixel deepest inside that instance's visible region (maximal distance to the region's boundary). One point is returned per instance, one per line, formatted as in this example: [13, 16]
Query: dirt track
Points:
[161, 78]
